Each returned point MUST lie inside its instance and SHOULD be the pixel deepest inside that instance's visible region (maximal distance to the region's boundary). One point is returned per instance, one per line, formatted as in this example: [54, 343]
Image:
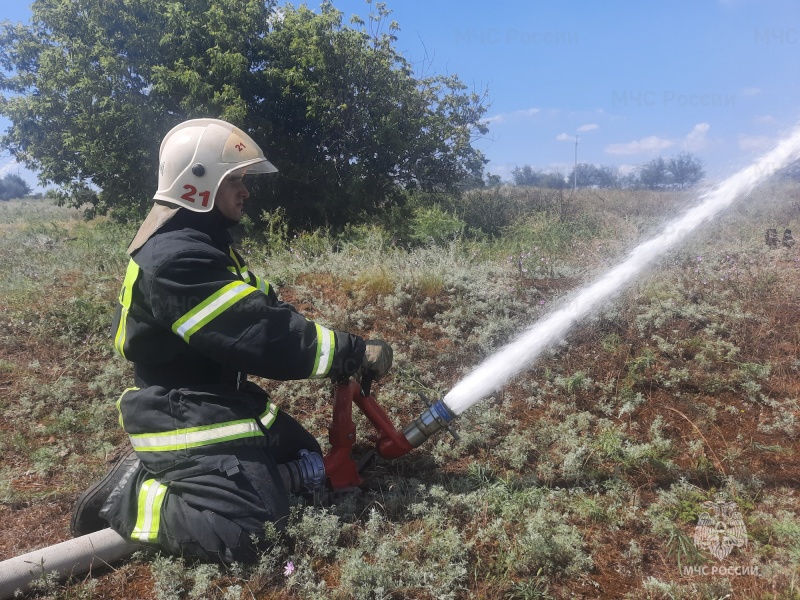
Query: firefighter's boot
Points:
[86, 514]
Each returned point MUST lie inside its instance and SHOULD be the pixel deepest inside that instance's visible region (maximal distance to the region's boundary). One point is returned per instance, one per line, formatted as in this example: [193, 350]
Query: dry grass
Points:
[584, 477]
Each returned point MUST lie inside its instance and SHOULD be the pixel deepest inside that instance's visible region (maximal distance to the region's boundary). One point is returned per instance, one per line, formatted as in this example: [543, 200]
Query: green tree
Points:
[528, 176]
[92, 91]
[552, 180]
[654, 174]
[590, 175]
[13, 186]
[493, 180]
[525, 175]
[351, 125]
[685, 170]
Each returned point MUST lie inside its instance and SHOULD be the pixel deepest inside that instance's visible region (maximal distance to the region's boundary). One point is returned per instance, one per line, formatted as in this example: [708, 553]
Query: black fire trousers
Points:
[213, 508]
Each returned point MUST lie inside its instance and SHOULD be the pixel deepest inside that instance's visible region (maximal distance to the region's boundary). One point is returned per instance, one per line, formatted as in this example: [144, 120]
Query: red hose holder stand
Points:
[340, 468]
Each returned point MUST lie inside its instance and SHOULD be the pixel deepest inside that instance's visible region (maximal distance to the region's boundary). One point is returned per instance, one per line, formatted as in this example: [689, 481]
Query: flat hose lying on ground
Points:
[73, 557]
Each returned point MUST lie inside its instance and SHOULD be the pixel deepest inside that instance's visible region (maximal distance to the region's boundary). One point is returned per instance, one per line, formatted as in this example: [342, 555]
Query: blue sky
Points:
[633, 80]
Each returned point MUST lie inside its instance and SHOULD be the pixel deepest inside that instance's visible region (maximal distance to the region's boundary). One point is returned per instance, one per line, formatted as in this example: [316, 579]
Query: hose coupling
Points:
[438, 416]
[304, 474]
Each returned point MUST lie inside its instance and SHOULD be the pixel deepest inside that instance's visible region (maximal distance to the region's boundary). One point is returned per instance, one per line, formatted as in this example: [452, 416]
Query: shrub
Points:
[433, 225]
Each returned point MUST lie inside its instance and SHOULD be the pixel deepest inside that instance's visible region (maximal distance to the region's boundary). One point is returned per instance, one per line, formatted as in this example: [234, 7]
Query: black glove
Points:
[349, 356]
[377, 359]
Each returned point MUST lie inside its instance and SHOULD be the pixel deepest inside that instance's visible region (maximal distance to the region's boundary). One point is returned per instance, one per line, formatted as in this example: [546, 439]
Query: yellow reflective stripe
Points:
[242, 267]
[261, 284]
[268, 417]
[326, 344]
[148, 514]
[240, 270]
[211, 308]
[119, 403]
[125, 297]
[192, 437]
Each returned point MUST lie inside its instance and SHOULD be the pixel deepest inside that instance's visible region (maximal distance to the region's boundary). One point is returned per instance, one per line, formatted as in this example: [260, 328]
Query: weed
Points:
[275, 230]
[47, 458]
[531, 589]
[590, 452]
[382, 563]
[655, 589]
[315, 532]
[174, 578]
[682, 549]
[372, 284]
[575, 382]
[433, 225]
[169, 577]
[548, 543]
[786, 530]
[7, 494]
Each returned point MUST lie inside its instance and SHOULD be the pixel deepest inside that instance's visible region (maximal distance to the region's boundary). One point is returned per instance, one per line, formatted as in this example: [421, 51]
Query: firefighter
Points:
[202, 473]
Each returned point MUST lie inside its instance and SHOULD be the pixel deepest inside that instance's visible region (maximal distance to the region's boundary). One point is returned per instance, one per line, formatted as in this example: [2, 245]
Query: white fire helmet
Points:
[194, 158]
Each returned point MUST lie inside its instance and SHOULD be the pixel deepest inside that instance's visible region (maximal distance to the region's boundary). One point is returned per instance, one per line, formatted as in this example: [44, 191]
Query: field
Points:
[585, 477]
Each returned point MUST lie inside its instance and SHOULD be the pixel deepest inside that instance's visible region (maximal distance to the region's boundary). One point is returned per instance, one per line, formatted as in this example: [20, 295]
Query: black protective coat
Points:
[218, 495]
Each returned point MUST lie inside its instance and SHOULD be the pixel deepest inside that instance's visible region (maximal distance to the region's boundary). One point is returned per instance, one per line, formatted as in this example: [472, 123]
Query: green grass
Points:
[584, 476]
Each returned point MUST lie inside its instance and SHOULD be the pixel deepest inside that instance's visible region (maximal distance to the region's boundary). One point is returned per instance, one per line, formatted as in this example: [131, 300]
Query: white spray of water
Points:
[510, 360]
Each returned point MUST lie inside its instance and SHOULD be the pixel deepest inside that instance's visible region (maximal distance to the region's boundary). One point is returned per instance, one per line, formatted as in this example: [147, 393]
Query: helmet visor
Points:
[257, 166]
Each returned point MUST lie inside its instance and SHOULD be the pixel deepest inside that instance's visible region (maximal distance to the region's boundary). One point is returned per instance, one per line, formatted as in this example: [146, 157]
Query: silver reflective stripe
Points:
[192, 437]
[210, 308]
[268, 417]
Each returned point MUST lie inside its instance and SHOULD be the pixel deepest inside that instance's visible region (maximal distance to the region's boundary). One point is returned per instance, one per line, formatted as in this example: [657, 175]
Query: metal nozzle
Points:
[435, 418]
[305, 474]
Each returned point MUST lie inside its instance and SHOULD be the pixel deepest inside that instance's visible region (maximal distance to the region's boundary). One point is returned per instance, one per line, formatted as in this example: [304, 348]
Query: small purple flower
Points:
[288, 569]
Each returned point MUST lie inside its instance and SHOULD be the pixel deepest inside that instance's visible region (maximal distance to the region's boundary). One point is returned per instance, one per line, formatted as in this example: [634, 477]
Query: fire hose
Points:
[338, 471]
